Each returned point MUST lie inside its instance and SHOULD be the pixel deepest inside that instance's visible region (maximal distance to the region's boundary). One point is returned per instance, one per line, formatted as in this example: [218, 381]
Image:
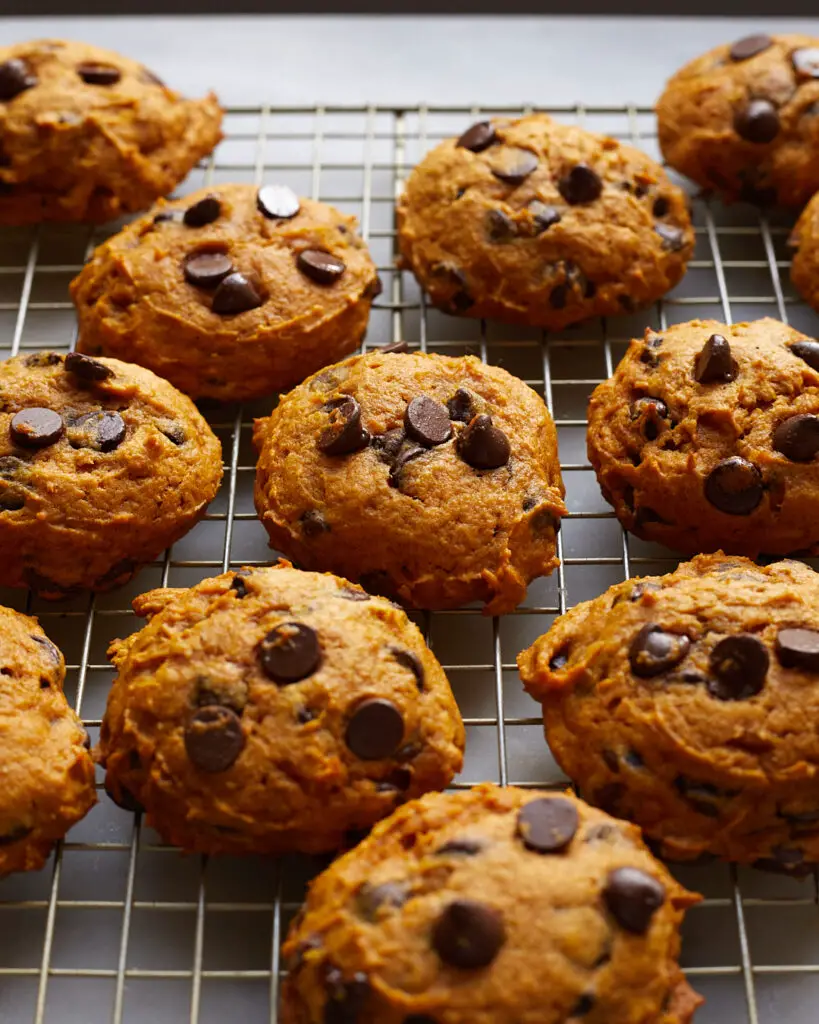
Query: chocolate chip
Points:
[371, 898]
[125, 800]
[101, 431]
[427, 421]
[797, 647]
[547, 825]
[633, 759]
[238, 584]
[375, 729]
[516, 168]
[758, 122]
[15, 77]
[227, 693]
[585, 1004]
[11, 502]
[214, 738]
[460, 848]
[750, 46]
[797, 438]
[468, 934]
[559, 660]
[419, 1018]
[321, 267]
[278, 202]
[714, 363]
[149, 78]
[673, 237]
[36, 427]
[43, 359]
[14, 835]
[482, 445]
[394, 346]
[98, 74]
[806, 62]
[654, 651]
[608, 798]
[399, 780]
[174, 433]
[345, 999]
[388, 445]
[378, 582]
[168, 215]
[203, 212]
[344, 434]
[350, 593]
[313, 523]
[653, 411]
[237, 293]
[660, 207]
[639, 589]
[87, 368]
[411, 661]
[206, 269]
[499, 227]
[305, 715]
[580, 185]
[633, 897]
[544, 216]
[807, 350]
[477, 138]
[739, 665]
[734, 486]
[611, 760]
[407, 454]
[460, 406]
[290, 652]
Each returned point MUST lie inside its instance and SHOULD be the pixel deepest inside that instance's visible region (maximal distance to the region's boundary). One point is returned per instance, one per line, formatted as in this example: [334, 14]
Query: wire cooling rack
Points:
[119, 928]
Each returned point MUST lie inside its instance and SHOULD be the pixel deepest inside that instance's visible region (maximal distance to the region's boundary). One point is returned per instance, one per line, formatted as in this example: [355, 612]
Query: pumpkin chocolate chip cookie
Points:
[688, 703]
[492, 906]
[269, 710]
[539, 223]
[707, 437]
[429, 479]
[90, 135]
[47, 773]
[231, 293]
[102, 465]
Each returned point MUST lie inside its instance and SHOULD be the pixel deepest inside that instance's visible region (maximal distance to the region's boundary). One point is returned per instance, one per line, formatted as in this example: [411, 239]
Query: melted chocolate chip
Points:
[499, 226]
[313, 523]
[673, 238]
[477, 138]
[411, 661]
[653, 651]
[98, 74]
[238, 583]
[543, 216]
[750, 46]
[715, 364]
[516, 167]
[468, 934]
[703, 796]
[277, 202]
[36, 428]
[633, 897]
[758, 122]
[580, 185]
[797, 647]
[203, 212]
[460, 848]
[394, 346]
[214, 738]
[734, 486]
[482, 445]
[289, 653]
[375, 729]
[101, 431]
[86, 368]
[547, 825]
[371, 898]
[808, 351]
[806, 62]
[797, 438]
[653, 412]
[43, 359]
[460, 407]
[406, 454]
[344, 434]
[237, 293]
[427, 421]
[206, 270]
[739, 665]
[322, 267]
[15, 77]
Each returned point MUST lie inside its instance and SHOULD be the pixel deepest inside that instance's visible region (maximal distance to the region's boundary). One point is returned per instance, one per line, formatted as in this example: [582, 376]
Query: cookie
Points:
[48, 774]
[90, 135]
[706, 437]
[270, 710]
[741, 120]
[491, 906]
[544, 224]
[429, 479]
[687, 703]
[230, 293]
[102, 466]
[804, 240]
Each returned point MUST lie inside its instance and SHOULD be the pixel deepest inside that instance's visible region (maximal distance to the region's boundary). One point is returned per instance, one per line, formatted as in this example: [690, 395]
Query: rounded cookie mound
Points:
[269, 710]
[90, 135]
[688, 703]
[429, 479]
[804, 240]
[492, 906]
[48, 774]
[233, 292]
[539, 223]
[706, 437]
[102, 465]
[743, 119]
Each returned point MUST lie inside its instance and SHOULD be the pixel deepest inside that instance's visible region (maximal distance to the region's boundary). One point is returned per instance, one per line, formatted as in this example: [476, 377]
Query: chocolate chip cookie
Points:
[741, 120]
[539, 223]
[90, 135]
[492, 906]
[269, 710]
[102, 465]
[230, 293]
[706, 437]
[47, 772]
[432, 480]
[804, 240]
[688, 703]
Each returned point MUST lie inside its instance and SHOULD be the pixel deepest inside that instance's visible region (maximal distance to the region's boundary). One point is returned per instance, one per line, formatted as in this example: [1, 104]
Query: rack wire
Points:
[121, 929]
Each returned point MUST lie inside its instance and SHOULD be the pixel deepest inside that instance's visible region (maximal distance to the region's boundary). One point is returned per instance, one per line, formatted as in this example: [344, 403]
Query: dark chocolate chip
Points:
[174, 433]
[14, 835]
[673, 237]
[806, 62]
[399, 779]
[51, 649]
[499, 227]
[653, 411]
[305, 715]
[734, 486]
[633, 897]
[206, 269]
[797, 438]
[558, 296]
[371, 898]
[36, 427]
[346, 1000]
[608, 798]
[87, 368]
[11, 502]
[482, 445]
[289, 653]
[750, 46]
[633, 759]
[203, 212]
[460, 848]
[585, 1004]
[548, 825]
[43, 359]
[646, 514]
[227, 693]
[101, 431]
[321, 267]
[15, 77]
[98, 74]
[388, 445]
[800, 817]
[542, 521]
[460, 407]
[344, 434]
[214, 738]
[580, 185]
[739, 665]
[278, 202]
[394, 346]
[611, 760]
[378, 582]
[374, 288]
[313, 523]
[351, 593]
[654, 651]
[807, 350]
[411, 661]
[149, 78]
[714, 363]
[797, 647]
[427, 421]
[660, 207]
[126, 800]
[237, 293]
[517, 168]
[639, 589]
[238, 583]
[559, 660]
[758, 122]
[544, 216]
[477, 138]
[468, 934]
[375, 729]
[168, 216]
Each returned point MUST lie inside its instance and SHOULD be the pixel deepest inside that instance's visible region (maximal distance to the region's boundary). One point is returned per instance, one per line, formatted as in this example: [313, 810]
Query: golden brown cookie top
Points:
[493, 905]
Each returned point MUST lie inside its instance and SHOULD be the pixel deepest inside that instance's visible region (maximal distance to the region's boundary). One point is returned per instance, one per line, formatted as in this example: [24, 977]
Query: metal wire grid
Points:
[129, 890]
